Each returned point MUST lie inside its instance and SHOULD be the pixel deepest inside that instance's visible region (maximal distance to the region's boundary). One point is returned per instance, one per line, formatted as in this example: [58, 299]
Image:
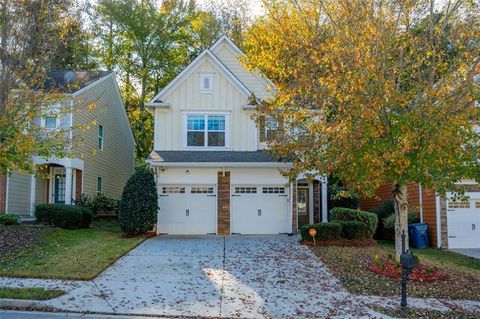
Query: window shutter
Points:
[261, 127]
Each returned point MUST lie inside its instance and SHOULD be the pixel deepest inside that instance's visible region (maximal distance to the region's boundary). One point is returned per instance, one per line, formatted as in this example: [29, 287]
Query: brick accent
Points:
[3, 192]
[316, 202]
[78, 184]
[223, 203]
[294, 208]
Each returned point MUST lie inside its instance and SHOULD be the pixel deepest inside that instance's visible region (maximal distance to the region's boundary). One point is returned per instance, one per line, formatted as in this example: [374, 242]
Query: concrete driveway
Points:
[237, 276]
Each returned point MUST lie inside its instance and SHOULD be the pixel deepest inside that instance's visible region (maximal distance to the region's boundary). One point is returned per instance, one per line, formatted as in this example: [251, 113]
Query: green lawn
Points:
[70, 254]
[350, 266]
[29, 293]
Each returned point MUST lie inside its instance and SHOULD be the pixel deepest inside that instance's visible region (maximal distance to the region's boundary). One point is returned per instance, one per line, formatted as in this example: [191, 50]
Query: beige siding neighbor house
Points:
[212, 175]
[102, 155]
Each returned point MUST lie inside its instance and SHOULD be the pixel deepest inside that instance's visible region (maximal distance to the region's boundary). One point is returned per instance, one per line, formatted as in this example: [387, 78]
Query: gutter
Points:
[219, 164]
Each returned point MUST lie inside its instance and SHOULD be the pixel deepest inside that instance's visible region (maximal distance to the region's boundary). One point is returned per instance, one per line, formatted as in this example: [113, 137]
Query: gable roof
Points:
[225, 39]
[157, 100]
[72, 81]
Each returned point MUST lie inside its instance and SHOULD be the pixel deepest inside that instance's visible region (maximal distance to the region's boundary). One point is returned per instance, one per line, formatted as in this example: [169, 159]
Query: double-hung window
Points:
[100, 137]
[206, 130]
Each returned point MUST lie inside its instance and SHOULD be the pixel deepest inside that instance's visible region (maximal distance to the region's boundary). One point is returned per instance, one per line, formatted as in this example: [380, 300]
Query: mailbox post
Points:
[408, 262]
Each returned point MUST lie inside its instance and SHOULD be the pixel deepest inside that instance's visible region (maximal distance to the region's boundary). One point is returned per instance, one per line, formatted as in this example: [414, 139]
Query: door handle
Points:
[259, 212]
[187, 212]
[474, 226]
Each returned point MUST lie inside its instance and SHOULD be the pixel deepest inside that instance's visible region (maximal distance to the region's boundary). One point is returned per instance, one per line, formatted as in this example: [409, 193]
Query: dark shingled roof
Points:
[211, 156]
[72, 81]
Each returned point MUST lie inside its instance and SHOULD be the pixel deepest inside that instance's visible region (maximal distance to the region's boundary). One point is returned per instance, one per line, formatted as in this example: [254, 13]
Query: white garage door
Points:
[187, 209]
[463, 221]
[259, 209]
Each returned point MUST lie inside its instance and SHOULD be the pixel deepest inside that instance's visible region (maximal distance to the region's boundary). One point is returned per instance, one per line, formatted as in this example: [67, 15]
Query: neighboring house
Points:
[212, 175]
[452, 224]
[102, 161]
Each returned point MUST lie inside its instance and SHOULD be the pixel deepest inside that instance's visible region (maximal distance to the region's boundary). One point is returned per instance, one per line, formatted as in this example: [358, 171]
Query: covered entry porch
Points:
[312, 199]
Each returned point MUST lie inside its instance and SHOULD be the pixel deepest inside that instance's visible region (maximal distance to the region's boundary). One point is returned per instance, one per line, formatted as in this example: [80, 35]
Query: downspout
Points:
[6, 191]
[438, 220]
[420, 201]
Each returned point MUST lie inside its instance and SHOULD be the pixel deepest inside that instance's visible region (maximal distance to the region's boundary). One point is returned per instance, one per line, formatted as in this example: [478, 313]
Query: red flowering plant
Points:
[390, 267]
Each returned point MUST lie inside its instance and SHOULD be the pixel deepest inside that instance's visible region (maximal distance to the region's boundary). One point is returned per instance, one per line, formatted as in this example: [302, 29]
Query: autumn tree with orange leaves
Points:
[374, 91]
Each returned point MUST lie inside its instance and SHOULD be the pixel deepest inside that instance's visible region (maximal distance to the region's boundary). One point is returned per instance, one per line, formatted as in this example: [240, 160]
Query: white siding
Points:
[231, 61]
[187, 97]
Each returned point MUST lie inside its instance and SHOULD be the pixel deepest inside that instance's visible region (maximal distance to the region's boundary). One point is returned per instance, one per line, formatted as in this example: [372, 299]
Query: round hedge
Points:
[137, 211]
[347, 214]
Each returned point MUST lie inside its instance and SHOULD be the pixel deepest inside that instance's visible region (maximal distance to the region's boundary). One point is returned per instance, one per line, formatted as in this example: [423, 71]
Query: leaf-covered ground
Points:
[350, 266]
[63, 254]
[414, 313]
[17, 237]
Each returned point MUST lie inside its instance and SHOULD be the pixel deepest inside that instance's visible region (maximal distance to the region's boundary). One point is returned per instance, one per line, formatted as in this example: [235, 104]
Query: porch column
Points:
[68, 185]
[33, 184]
[324, 198]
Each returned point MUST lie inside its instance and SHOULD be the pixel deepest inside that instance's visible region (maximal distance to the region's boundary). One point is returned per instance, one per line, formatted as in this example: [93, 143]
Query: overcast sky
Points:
[256, 8]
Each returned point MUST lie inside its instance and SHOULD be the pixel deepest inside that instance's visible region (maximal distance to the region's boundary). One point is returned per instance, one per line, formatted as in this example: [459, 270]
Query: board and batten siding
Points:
[169, 124]
[231, 60]
[115, 163]
[19, 193]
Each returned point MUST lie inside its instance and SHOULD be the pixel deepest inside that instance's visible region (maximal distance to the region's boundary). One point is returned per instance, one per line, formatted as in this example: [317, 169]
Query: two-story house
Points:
[212, 175]
[92, 112]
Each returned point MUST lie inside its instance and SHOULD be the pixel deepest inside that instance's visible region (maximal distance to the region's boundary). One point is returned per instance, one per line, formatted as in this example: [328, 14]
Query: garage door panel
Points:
[187, 209]
[463, 223]
[259, 210]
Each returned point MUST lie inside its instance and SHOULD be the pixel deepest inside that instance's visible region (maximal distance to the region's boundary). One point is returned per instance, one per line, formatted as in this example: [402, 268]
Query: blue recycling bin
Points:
[418, 235]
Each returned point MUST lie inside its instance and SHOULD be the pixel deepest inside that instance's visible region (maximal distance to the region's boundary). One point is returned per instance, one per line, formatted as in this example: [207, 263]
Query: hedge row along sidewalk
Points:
[79, 254]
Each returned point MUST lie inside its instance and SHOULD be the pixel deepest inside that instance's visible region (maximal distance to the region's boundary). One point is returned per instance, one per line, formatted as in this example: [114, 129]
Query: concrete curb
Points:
[24, 304]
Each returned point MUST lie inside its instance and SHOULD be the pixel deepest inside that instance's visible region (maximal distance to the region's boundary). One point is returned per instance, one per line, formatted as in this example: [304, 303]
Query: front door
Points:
[59, 189]
[303, 207]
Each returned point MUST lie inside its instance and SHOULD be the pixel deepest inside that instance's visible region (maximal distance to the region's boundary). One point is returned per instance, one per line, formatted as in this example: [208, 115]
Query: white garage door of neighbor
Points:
[187, 209]
[463, 222]
[259, 209]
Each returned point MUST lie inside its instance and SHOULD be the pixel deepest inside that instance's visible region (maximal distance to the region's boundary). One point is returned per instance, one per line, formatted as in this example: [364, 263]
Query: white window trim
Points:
[203, 76]
[101, 137]
[205, 115]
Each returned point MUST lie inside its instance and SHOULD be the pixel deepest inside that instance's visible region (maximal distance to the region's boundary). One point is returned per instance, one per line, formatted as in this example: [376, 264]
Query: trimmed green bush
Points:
[325, 231]
[389, 222]
[137, 212]
[99, 204]
[348, 214]
[8, 220]
[64, 216]
[354, 230]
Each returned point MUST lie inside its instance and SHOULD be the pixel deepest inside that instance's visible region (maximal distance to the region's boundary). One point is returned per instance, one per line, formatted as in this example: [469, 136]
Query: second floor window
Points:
[206, 130]
[50, 122]
[100, 137]
[99, 185]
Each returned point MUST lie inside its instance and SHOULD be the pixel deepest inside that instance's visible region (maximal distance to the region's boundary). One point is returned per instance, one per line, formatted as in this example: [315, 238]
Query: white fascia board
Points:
[76, 163]
[220, 164]
[228, 74]
[262, 77]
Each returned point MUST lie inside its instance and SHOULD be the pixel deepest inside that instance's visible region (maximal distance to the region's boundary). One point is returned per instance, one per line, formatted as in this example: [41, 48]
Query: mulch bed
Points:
[351, 266]
[341, 242]
[15, 238]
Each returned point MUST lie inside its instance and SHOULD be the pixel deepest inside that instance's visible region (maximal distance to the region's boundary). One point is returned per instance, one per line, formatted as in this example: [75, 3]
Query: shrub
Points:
[336, 199]
[138, 207]
[348, 214]
[98, 204]
[389, 222]
[8, 220]
[64, 216]
[383, 210]
[325, 231]
[354, 230]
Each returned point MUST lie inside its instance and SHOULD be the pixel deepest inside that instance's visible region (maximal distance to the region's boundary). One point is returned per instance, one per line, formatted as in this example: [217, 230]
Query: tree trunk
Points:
[400, 199]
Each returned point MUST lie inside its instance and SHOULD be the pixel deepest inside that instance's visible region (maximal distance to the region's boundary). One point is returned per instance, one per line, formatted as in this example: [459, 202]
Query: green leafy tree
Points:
[374, 91]
[137, 211]
[27, 36]
[146, 43]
